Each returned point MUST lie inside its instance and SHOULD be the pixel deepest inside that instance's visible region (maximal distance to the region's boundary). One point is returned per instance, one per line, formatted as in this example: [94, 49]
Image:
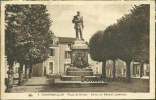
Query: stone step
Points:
[75, 78]
[79, 73]
[60, 83]
[78, 69]
[71, 78]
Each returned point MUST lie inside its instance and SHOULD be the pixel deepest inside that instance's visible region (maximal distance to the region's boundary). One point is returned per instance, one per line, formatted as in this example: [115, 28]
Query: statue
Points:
[78, 20]
[79, 60]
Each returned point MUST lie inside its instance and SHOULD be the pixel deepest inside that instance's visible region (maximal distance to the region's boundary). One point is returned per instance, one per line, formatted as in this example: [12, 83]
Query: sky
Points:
[95, 16]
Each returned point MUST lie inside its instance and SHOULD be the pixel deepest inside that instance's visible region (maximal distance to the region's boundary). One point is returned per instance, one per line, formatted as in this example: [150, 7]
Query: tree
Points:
[127, 40]
[103, 47]
[141, 53]
[133, 36]
[29, 25]
[10, 46]
[109, 39]
[97, 52]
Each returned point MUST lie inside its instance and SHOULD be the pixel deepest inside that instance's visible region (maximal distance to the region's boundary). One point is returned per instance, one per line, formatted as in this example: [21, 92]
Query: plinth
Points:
[79, 61]
[79, 53]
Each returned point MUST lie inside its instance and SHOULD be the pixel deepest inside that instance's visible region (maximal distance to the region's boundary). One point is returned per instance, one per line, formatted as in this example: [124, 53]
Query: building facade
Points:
[59, 56]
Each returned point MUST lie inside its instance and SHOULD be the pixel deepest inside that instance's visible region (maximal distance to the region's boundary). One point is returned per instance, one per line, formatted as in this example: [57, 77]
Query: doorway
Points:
[51, 67]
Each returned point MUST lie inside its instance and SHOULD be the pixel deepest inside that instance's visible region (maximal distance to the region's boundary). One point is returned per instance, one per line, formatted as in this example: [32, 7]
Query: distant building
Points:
[120, 69]
[65, 53]
[59, 57]
[51, 65]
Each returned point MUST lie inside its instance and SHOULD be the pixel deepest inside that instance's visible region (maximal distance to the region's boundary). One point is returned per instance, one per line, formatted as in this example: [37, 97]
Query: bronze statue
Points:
[79, 60]
[78, 21]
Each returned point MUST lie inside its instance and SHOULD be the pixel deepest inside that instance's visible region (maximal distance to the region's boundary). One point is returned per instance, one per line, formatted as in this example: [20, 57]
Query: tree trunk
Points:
[114, 68]
[26, 72]
[136, 71]
[128, 76]
[10, 81]
[20, 71]
[133, 69]
[30, 70]
[141, 69]
[104, 69]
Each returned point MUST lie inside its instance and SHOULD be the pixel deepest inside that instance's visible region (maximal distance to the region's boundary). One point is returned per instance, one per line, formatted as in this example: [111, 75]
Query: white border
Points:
[150, 95]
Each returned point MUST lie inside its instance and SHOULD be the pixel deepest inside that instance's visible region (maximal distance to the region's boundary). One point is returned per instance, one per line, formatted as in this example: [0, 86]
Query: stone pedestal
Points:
[79, 57]
[79, 62]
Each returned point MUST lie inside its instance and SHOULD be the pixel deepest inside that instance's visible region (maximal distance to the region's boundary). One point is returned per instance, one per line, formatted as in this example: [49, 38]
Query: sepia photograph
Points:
[77, 49]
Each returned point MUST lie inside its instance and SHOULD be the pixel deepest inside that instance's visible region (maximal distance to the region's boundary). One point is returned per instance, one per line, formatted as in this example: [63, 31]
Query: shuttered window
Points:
[52, 52]
[67, 54]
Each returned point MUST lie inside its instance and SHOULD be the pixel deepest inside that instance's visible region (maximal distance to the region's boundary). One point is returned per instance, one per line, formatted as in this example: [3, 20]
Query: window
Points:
[67, 54]
[16, 70]
[122, 71]
[51, 67]
[97, 69]
[116, 72]
[52, 42]
[69, 45]
[110, 71]
[148, 67]
[52, 52]
[57, 43]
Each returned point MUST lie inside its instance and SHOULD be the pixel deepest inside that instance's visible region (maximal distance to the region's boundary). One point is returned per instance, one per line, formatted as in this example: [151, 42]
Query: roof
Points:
[66, 40]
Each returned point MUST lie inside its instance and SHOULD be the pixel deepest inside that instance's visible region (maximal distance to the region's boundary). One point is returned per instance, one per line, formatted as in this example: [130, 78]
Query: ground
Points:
[41, 84]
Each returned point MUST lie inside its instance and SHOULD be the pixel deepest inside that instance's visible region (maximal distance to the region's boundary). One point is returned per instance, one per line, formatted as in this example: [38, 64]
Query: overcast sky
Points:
[96, 17]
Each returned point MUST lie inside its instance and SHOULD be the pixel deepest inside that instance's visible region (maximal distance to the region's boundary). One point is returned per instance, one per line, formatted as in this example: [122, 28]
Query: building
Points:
[59, 57]
[120, 69]
[65, 53]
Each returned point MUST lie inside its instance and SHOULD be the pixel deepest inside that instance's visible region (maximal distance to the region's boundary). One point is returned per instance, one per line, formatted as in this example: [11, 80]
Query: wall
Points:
[62, 60]
[120, 67]
[94, 64]
[38, 69]
[55, 60]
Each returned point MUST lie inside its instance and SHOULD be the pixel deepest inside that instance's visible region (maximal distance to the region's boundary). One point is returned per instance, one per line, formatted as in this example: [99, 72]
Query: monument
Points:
[79, 59]
[79, 71]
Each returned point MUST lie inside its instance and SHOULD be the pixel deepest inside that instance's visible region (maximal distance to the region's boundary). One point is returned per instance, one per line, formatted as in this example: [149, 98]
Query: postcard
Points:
[78, 49]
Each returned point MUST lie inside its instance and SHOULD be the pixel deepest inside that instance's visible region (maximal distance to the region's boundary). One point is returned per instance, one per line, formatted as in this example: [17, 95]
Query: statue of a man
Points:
[78, 20]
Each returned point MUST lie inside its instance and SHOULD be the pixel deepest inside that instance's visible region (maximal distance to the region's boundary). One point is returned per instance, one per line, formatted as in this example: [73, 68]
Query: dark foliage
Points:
[27, 34]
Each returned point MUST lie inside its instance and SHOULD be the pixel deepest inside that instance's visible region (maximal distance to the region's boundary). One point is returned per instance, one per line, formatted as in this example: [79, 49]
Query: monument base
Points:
[70, 78]
[79, 72]
[77, 78]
